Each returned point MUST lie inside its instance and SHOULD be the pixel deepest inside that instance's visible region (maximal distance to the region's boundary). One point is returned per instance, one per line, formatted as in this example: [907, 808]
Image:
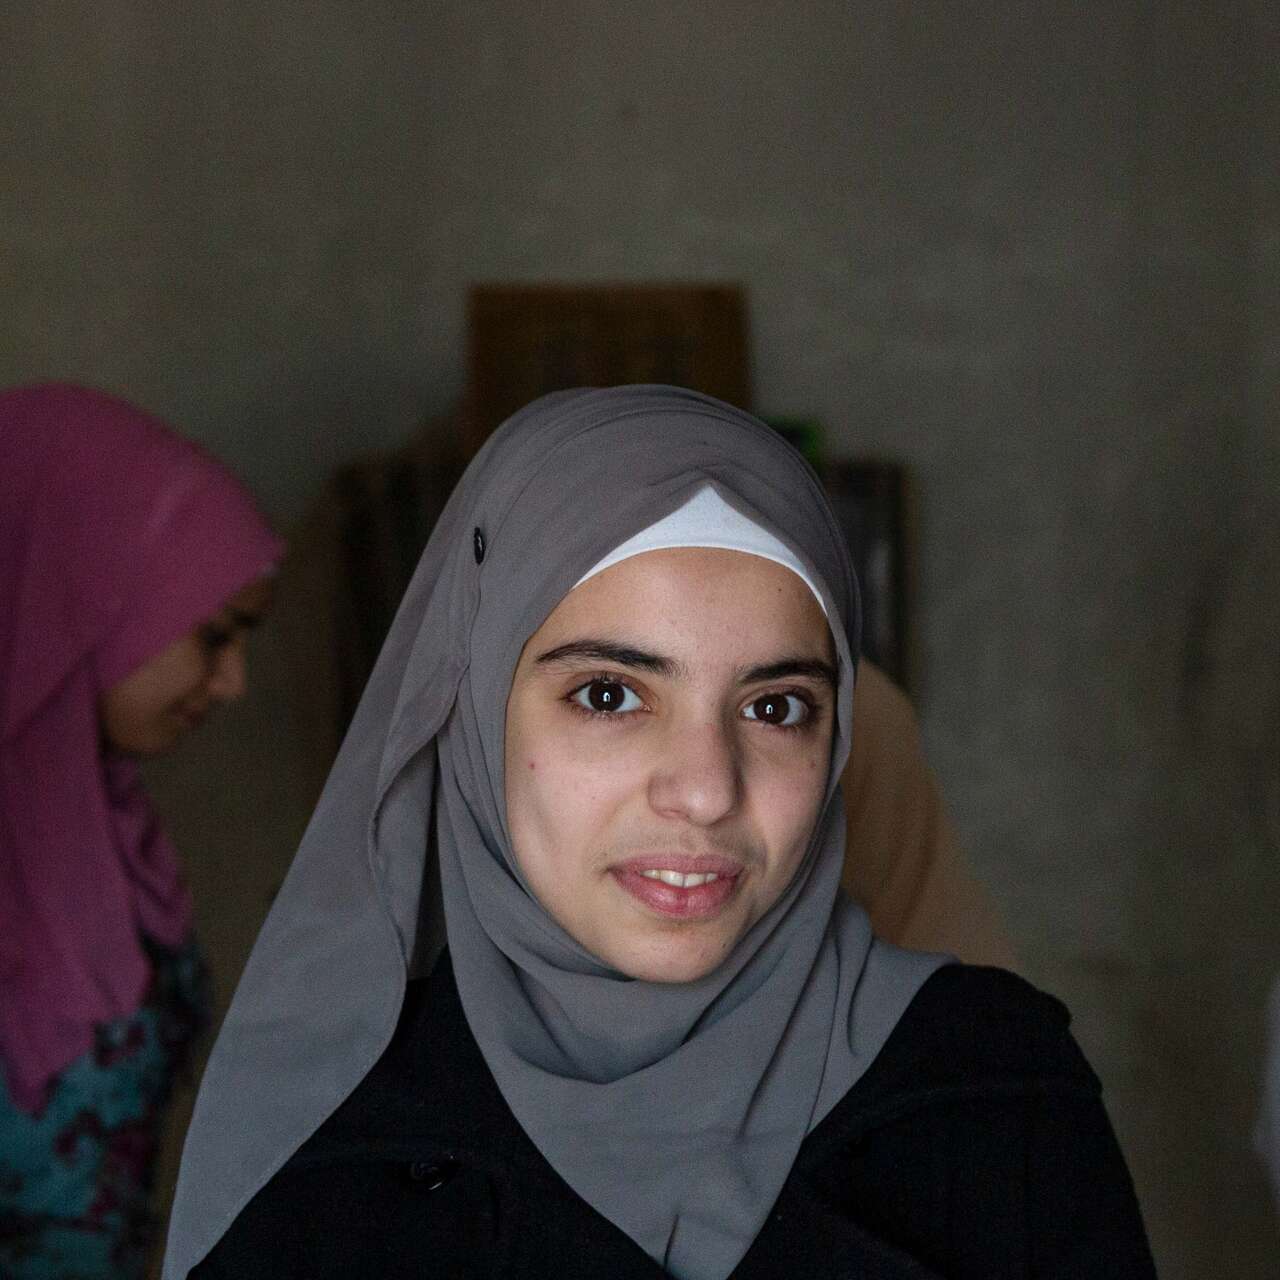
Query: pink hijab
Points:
[116, 539]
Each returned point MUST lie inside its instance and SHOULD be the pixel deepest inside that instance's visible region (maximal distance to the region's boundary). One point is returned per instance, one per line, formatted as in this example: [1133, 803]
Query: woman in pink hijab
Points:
[131, 566]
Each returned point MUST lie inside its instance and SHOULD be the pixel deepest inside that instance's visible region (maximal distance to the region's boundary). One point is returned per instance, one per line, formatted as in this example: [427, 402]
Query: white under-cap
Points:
[707, 520]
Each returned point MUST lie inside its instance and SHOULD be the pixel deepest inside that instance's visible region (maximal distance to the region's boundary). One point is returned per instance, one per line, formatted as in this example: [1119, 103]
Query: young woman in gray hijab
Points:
[561, 983]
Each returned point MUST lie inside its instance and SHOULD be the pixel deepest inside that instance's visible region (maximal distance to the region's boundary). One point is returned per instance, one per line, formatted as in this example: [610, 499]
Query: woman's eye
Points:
[214, 638]
[606, 696]
[781, 709]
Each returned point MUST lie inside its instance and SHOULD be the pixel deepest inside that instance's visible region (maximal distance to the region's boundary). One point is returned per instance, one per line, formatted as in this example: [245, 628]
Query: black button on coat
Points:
[975, 1148]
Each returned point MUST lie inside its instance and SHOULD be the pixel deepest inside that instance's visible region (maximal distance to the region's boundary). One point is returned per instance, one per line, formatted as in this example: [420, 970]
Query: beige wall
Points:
[1034, 250]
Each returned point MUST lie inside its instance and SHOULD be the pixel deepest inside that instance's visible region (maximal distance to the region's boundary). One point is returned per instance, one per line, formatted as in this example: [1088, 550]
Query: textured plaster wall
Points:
[1033, 250]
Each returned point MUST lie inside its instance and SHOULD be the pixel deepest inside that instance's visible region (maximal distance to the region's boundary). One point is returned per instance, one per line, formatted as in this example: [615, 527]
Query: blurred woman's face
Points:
[668, 736]
[157, 703]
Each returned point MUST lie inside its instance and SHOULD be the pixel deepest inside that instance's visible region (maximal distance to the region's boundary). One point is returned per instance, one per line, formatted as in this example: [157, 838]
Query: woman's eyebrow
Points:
[811, 668]
[624, 655]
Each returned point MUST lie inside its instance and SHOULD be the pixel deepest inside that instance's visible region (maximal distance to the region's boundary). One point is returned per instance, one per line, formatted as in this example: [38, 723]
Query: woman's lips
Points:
[655, 881]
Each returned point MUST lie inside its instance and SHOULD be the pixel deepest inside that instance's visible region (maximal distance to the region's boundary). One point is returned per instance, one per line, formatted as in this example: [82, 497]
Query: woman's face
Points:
[171, 693]
[668, 736]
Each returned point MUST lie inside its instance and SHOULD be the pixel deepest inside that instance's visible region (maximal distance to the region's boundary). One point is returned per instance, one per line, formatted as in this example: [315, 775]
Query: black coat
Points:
[976, 1146]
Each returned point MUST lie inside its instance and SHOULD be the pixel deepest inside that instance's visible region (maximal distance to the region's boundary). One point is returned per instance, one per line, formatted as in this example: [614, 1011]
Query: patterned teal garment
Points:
[75, 1181]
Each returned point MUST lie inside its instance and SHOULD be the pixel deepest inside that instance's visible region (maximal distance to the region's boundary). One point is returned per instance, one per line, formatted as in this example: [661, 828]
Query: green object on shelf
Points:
[804, 434]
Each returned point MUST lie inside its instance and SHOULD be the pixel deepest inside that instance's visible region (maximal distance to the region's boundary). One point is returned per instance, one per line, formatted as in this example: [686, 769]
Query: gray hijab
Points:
[756, 1053]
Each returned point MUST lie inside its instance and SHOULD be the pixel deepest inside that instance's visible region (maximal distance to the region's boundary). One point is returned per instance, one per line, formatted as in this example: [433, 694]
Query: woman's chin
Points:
[154, 740]
[670, 960]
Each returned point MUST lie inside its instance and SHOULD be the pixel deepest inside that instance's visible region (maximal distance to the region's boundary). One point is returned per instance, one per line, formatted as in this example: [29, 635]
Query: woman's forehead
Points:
[707, 520]
[704, 602]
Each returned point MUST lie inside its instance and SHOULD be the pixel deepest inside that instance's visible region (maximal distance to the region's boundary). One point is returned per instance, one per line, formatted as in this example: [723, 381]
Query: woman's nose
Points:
[229, 678]
[698, 778]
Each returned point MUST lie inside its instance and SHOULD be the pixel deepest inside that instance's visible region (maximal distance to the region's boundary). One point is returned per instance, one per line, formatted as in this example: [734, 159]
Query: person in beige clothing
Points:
[902, 861]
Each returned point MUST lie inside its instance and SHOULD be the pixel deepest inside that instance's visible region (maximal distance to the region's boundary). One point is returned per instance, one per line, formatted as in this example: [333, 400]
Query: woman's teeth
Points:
[679, 880]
